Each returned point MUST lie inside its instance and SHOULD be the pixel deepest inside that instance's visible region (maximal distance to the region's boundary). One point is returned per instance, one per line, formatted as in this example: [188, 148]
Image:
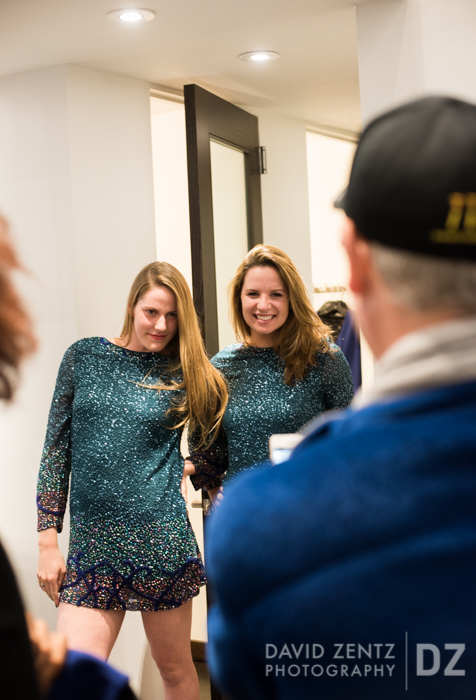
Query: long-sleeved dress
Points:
[131, 544]
[261, 404]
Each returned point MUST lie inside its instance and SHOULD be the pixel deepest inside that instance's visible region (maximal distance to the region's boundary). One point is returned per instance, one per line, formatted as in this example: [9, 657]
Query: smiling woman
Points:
[264, 304]
[284, 373]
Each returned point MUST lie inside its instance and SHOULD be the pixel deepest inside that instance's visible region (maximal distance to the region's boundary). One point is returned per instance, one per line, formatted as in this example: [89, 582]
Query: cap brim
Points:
[341, 200]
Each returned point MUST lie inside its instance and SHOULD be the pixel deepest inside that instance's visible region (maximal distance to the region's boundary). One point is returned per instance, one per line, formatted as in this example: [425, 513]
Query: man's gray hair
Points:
[425, 282]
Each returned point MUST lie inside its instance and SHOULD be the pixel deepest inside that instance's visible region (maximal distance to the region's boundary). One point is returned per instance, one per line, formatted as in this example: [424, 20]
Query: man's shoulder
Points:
[453, 406]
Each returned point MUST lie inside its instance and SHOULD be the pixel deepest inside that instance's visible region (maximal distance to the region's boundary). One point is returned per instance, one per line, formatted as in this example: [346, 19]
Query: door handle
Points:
[205, 505]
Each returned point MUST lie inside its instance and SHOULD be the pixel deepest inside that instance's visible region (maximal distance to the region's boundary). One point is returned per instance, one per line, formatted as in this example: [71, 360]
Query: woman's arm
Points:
[53, 480]
[215, 493]
[55, 467]
[51, 566]
[209, 463]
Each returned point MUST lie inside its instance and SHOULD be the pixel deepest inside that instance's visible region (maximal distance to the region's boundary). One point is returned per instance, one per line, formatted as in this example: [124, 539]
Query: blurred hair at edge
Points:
[16, 337]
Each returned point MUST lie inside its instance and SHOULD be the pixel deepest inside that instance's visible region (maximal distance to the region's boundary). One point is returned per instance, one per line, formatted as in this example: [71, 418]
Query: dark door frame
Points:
[209, 117]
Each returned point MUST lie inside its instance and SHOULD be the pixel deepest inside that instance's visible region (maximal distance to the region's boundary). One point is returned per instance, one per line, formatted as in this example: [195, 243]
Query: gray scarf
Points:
[438, 355]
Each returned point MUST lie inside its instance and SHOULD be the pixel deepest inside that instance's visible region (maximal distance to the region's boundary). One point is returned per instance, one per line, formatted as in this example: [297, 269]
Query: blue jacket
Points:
[350, 570]
[86, 677]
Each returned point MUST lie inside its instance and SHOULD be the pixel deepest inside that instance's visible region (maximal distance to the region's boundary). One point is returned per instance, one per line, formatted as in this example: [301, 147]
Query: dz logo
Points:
[428, 660]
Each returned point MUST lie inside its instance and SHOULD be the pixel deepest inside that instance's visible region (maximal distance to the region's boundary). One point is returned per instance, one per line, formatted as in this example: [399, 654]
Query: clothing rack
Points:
[327, 290]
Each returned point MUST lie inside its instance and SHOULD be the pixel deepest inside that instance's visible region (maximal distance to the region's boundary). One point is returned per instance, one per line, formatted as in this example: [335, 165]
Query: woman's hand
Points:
[216, 494]
[51, 566]
[49, 652]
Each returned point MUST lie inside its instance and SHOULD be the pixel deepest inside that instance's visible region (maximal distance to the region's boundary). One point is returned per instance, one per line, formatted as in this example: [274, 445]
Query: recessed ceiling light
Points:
[132, 15]
[259, 56]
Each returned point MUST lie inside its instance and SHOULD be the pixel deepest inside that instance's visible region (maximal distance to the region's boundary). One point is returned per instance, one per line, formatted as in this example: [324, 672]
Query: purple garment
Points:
[349, 343]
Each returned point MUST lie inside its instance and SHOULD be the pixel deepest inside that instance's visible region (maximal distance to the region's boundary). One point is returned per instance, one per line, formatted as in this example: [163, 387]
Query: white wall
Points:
[35, 195]
[169, 153]
[76, 186]
[329, 164]
[329, 161]
[230, 227]
[409, 48]
[112, 192]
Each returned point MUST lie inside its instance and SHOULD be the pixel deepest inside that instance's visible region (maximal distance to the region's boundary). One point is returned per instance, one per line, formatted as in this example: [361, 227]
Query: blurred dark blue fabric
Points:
[86, 677]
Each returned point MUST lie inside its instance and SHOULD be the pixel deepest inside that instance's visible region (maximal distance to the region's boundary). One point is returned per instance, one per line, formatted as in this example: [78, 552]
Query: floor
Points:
[204, 680]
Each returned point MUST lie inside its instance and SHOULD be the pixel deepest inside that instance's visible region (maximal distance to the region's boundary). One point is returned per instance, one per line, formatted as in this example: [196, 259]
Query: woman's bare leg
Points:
[90, 629]
[168, 632]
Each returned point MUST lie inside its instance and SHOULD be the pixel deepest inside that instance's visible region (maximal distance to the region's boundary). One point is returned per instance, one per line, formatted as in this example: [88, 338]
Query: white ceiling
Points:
[192, 41]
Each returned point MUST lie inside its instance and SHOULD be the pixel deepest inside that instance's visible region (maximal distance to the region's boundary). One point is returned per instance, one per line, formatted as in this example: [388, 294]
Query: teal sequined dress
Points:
[261, 404]
[131, 544]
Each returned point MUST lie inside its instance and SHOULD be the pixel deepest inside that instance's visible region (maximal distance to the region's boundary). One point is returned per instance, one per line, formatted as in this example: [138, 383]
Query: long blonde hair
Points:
[205, 392]
[303, 334]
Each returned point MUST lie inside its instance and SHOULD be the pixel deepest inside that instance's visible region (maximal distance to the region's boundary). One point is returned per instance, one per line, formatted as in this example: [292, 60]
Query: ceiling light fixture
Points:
[259, 56]
[131, 15]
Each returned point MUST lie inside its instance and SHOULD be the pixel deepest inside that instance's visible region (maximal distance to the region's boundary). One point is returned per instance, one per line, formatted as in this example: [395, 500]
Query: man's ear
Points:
[358, 254]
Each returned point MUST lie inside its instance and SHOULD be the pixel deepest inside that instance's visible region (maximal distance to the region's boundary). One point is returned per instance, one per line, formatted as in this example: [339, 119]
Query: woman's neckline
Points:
[134, 353]
[256, 348]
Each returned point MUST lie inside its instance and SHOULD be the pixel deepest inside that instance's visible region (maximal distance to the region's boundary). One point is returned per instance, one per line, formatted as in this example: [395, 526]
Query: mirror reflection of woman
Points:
[115, 426]
[284, 373]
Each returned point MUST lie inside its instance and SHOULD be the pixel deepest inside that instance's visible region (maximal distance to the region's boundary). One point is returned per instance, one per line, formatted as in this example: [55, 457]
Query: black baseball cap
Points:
[412, 184]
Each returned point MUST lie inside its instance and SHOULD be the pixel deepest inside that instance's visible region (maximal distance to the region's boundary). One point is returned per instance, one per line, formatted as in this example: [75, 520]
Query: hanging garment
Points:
[333, 313]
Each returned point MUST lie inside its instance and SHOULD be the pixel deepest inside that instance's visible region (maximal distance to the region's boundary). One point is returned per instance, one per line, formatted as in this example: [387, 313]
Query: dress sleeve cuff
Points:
[49, 515]
[208, 473]
[47, 521]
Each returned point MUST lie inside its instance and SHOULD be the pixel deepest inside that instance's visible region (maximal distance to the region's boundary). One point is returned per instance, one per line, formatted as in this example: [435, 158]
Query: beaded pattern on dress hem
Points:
[118, 591]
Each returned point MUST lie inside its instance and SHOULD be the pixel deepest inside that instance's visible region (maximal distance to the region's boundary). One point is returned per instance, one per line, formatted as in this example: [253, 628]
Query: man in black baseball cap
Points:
[349, 571]
[411, 210]
[413, 180]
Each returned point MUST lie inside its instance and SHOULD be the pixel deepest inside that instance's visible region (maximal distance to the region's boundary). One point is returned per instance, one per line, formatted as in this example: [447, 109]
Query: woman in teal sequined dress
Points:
[284, 374]
[115, 428]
